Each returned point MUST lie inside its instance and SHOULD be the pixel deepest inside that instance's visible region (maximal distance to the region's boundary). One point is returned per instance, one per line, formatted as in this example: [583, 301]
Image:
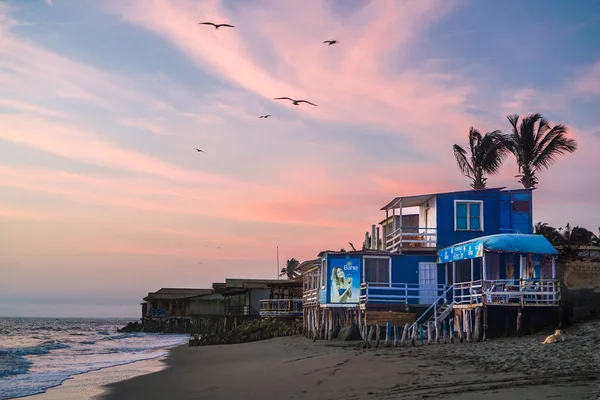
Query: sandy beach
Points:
[297, 368]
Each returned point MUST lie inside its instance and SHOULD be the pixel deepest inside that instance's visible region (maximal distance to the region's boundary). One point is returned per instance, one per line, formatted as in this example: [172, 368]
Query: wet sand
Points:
[297, 368]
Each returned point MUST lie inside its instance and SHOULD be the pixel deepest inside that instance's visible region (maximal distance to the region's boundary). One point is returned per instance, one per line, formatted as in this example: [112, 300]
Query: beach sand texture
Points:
[297, 368]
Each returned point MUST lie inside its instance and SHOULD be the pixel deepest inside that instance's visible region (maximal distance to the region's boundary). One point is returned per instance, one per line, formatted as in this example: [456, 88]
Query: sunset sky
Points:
[102, 197]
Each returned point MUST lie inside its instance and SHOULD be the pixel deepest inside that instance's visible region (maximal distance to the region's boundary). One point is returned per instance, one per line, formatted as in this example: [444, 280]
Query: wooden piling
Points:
[404, 335]
[477, 324]
[429, 332]
[437, 332]
[414, 335]
[485, 323]
[396, 336]
[468, 325]
[388, 333]
[370, 337]
[378, 334]
[519, 319]
[459, 325]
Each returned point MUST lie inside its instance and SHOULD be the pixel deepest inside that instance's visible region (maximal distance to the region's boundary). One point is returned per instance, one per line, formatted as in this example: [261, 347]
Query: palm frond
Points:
[463, 162]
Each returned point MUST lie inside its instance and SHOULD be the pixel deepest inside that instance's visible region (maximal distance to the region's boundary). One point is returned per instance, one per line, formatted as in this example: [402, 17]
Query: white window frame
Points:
[480, 202]
[389, 268]
[323, 280]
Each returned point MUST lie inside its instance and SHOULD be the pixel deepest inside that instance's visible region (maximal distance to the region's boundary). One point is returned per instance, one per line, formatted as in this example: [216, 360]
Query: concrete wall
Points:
[580, 288]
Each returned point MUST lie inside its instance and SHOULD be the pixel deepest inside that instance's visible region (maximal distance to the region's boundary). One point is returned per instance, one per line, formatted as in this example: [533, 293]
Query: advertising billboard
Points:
[344, 280]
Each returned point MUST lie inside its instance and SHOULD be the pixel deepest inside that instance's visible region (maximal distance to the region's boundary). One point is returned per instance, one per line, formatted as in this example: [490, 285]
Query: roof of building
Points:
[309, 265]
[175, 293]
[500, 243]
[417, 200]
[358, 252]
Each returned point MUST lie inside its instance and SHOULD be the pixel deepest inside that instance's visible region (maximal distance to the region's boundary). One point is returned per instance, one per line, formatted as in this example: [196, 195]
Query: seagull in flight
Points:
[295, 102]
[330, 42]
[198, 150]
[265, 116]
[217, 26]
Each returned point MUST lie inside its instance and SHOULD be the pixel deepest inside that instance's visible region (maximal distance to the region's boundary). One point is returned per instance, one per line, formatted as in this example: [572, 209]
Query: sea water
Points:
[40, 353]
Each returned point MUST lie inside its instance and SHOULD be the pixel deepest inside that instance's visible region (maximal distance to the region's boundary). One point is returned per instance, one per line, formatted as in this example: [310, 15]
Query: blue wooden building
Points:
[399, 276]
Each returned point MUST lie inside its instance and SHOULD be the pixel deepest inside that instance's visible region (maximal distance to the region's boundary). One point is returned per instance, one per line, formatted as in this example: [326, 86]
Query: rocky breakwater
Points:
[251, 331]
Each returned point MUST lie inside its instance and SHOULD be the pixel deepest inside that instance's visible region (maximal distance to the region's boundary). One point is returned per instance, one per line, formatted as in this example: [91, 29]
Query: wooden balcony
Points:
[281, 308]
[526, 292]
[405, 237]
[310, 297]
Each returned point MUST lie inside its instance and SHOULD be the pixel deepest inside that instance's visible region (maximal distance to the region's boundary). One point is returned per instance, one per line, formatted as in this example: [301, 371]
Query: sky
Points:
[103, 199]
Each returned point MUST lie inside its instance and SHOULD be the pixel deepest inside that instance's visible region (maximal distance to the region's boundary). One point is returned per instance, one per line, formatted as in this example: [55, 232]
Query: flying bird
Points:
[265, 116]
[217, 26]
[198, 150]
[295, 102]
[330, 42]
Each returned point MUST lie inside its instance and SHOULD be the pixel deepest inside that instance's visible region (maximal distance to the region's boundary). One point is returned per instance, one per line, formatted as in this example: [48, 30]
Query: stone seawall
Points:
[580, 288]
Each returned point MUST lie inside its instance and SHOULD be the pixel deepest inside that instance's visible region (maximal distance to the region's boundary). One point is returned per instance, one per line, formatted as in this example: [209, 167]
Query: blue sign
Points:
[463, 252]
[344, 280]
[158, 313]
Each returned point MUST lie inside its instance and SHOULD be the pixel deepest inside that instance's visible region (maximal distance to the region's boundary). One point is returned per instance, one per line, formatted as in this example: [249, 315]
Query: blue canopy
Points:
[501, 243]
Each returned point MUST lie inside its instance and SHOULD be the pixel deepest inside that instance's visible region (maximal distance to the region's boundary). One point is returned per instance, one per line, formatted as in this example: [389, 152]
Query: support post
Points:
[437, 331]
[388, 333]
[378, 334]
[472, 269]
[519, 318]
[553, 267]
[460, 325]
[477, 324]
[396, 336]
[415, 333]
[404, 335]
[371, 333]
[429, 332]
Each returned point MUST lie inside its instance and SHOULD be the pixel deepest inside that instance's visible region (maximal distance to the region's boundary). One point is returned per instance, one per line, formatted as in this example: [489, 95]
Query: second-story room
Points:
[442, 219]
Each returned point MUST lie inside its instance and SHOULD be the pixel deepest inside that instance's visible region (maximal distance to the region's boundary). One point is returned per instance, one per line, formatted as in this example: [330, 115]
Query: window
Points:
[377, 270]
[520, 206]
[468, 215]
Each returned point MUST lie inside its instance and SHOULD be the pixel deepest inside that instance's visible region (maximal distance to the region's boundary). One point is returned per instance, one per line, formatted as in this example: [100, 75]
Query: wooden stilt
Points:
[519, 318]
[469, 326]
[370, 339]
[459, 326]
[415, 334]
[396, 336]
[377, 334]
[437, 332]
[404, 335]
[485, 323]
[428, 332]
[477, 335]
[388, 333]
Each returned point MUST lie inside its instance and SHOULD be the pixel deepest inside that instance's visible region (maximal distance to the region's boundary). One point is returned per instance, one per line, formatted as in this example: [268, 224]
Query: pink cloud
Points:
[29, 108]
[589, 81]
[341, 80]
[143, 124]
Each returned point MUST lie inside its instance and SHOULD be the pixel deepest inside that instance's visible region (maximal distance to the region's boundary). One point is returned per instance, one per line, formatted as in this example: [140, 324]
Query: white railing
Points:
[280, 307]
[508, 291]
[399, 293]
[310, 297]
[411, 237]
[433, 309]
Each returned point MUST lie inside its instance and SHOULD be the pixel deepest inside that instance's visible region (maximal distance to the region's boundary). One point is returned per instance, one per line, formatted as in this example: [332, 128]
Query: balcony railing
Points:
[399, 293]
[240, 310]
[310, 297]
[508, 291]
[281, 308]
[404, 237]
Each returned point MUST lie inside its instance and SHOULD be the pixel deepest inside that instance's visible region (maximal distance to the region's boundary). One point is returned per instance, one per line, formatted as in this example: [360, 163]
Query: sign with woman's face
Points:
[344, 280]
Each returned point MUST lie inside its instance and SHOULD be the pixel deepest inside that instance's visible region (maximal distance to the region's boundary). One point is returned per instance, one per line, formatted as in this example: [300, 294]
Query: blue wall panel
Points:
[497, 215]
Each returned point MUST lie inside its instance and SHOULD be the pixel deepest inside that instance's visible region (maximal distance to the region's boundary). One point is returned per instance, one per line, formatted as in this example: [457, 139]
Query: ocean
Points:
[40, 353]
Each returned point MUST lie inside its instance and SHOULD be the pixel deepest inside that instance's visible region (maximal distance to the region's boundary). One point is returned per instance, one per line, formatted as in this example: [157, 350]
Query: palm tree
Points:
[291, 269]
[486, 155]
[536, 149]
